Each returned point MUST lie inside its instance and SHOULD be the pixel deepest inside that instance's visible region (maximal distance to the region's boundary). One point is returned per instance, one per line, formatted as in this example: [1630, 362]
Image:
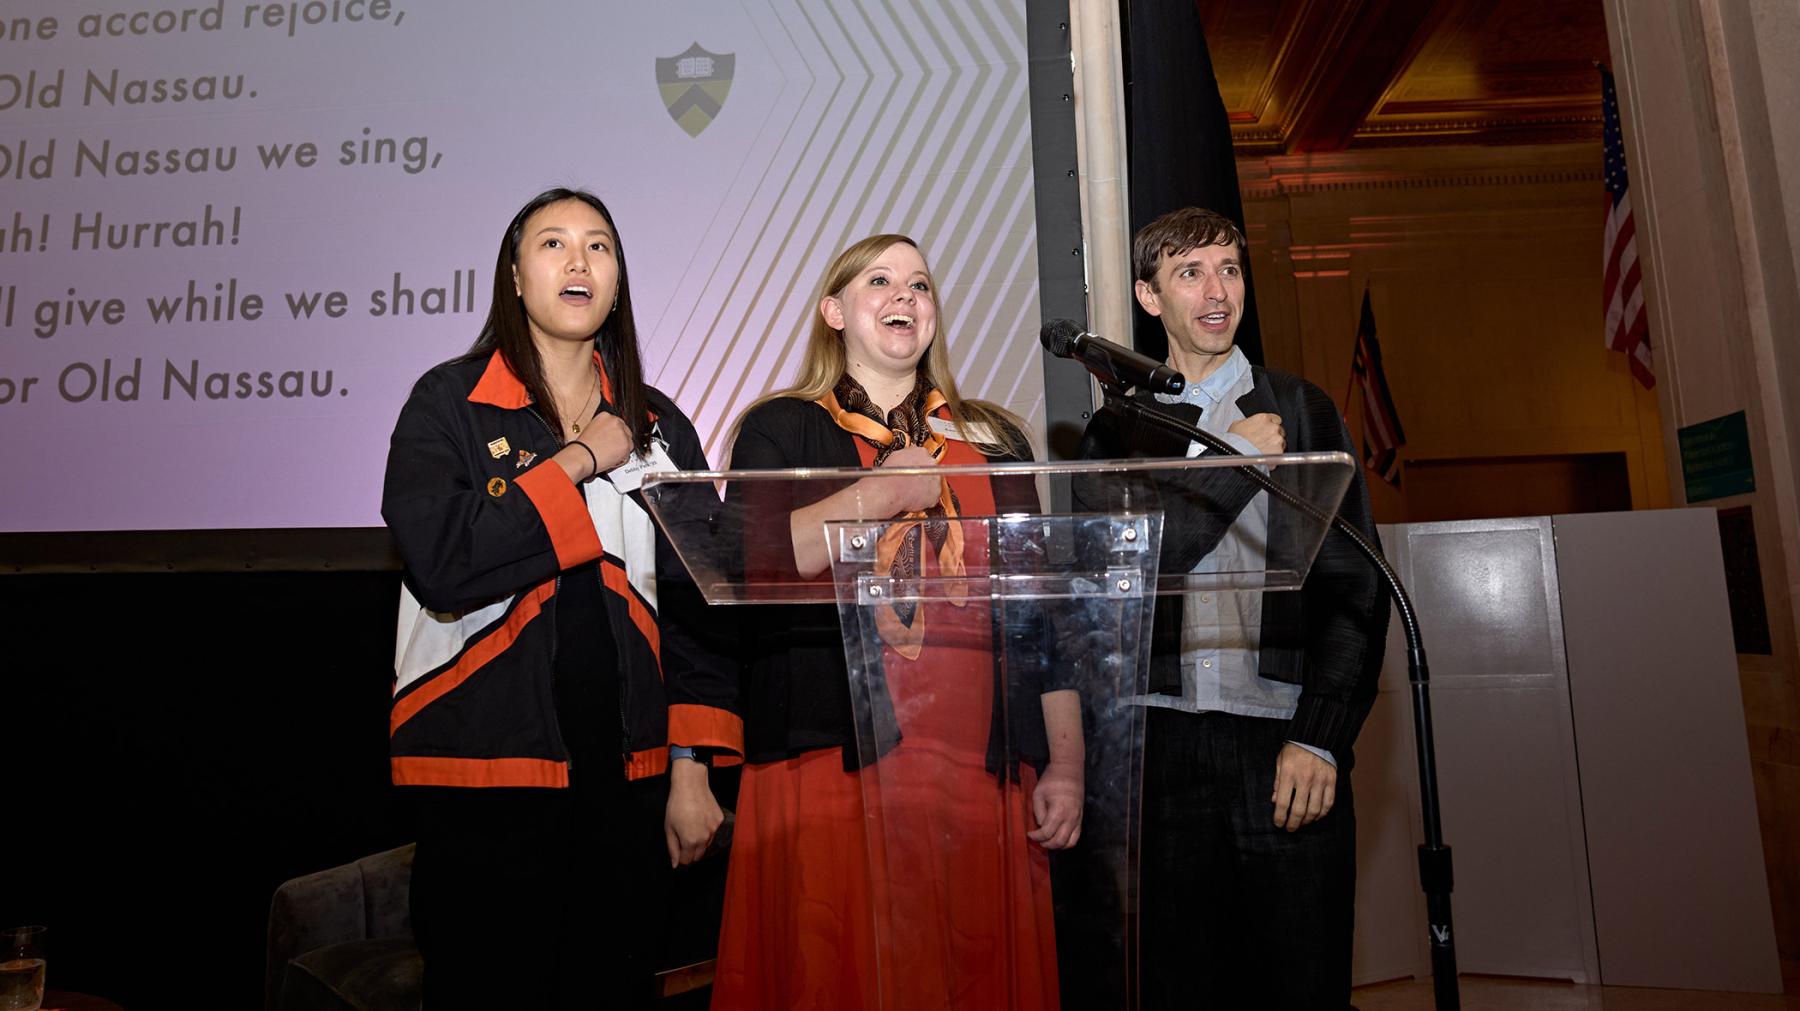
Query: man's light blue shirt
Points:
[1221, 629]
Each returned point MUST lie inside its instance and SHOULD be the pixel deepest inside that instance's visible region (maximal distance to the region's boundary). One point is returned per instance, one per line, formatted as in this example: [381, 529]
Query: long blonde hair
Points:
[824, 362]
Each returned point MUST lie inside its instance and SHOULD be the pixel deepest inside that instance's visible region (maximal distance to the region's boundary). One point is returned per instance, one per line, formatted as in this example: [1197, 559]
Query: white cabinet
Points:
[1594, 774]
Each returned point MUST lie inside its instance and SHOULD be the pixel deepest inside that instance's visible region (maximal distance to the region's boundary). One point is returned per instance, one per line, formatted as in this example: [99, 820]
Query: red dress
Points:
[908, 884]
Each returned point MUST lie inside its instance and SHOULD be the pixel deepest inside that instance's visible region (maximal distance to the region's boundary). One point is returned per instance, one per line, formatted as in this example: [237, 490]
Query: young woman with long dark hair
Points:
[555, 702]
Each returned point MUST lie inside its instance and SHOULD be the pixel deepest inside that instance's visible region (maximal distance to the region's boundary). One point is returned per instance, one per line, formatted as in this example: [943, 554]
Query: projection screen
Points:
[233, 234]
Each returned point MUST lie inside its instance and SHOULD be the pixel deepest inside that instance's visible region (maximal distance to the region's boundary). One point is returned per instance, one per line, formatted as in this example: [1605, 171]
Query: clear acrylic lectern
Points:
[958, 632]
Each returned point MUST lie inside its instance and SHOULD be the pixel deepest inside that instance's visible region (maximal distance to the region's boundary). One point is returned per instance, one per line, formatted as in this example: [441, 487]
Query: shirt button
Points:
[1206, 663]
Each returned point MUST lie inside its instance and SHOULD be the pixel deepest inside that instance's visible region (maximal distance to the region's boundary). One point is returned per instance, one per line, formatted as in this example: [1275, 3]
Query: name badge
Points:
[629, 476]
[976, 432]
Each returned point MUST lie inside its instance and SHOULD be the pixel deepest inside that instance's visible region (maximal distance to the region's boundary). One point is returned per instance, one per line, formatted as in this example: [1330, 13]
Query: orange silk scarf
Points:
[900, 550]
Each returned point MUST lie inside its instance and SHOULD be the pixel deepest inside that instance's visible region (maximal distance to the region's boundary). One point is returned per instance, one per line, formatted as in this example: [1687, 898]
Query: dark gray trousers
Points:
[1237, 912]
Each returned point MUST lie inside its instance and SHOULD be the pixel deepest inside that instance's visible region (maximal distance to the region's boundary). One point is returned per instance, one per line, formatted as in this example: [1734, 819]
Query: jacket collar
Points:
[500, 387]
[1259, 400]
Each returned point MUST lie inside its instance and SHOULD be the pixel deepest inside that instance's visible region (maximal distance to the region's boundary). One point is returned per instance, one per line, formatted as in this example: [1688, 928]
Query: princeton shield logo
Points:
[694, 85]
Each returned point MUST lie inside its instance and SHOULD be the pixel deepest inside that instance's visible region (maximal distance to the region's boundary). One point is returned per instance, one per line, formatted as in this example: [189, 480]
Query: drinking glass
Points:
[21, 968]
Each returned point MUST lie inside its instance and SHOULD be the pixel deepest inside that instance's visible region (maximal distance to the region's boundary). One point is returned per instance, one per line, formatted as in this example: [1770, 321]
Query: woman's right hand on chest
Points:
[915, 493]
[609, 439]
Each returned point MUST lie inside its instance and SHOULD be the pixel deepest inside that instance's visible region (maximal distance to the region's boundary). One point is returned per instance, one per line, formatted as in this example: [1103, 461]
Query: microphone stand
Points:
[1434, 857]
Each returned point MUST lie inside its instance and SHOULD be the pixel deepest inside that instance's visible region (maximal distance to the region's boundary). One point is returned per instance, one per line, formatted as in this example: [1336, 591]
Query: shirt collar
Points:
[1215, 388]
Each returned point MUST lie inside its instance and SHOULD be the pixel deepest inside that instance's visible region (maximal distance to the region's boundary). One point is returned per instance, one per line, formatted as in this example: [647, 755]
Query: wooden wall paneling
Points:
[1483, 269]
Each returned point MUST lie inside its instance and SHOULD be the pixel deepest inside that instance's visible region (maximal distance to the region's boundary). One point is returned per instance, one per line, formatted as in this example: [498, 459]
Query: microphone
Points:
[1112, 364]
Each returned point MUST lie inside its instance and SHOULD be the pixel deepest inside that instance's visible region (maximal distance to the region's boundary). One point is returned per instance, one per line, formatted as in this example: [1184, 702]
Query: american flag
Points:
[1382, 434]
[1627, 327]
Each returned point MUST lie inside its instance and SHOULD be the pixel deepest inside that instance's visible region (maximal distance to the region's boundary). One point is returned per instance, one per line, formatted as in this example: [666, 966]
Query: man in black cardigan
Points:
[1249, 836]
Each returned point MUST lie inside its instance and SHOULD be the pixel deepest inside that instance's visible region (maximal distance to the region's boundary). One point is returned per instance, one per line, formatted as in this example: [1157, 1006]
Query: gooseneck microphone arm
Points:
[1435, 876]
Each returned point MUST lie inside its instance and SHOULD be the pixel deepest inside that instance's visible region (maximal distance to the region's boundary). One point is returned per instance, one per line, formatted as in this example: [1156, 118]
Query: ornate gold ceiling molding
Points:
[1326, 75]
[1488, 130]
[1294, 39]
[1527, 129]
[1273, 176]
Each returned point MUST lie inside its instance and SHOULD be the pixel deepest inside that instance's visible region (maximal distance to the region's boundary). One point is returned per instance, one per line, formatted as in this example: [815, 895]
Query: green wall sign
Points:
[1715, 458]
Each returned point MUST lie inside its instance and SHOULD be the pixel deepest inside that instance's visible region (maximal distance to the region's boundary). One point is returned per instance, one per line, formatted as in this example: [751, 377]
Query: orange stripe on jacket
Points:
[564, 511]
[615, 580]
[698, 726]
[474, 658]
[413, 770]
[648, 762]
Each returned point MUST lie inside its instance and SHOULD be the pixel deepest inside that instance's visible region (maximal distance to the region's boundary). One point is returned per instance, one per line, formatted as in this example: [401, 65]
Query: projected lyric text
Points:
[156, 163]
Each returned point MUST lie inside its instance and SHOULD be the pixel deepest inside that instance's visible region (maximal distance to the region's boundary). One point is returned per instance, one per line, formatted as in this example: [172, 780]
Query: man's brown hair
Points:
[1177, 232]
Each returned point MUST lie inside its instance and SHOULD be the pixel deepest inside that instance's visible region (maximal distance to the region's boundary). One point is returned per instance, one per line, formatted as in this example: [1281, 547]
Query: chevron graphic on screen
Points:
[694, 85]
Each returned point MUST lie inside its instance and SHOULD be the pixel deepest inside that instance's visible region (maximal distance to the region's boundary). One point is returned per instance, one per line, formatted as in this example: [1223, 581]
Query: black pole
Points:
[1434, 857]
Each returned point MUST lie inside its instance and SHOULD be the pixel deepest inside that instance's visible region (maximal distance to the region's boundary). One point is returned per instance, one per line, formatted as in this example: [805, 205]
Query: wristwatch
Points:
[683, 751]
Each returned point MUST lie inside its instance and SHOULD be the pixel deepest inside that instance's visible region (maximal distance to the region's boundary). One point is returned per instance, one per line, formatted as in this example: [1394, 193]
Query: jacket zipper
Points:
[556, 598]
[618, 650]
[619, 667]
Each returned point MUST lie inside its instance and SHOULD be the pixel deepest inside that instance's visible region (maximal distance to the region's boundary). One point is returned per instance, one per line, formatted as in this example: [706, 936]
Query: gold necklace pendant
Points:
[575, 425]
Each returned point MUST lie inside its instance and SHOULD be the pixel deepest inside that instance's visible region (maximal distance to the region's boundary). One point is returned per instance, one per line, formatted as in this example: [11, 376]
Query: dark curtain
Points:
[1179, 140]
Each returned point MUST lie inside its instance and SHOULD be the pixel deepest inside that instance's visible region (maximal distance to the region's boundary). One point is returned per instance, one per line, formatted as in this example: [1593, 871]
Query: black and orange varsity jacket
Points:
[484, 525]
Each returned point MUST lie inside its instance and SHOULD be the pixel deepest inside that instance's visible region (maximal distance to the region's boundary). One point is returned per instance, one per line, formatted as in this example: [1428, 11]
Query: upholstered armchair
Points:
[341, 939]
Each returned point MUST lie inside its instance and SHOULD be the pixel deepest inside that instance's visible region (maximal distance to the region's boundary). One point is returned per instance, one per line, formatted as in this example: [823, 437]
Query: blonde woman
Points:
[874, 391]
